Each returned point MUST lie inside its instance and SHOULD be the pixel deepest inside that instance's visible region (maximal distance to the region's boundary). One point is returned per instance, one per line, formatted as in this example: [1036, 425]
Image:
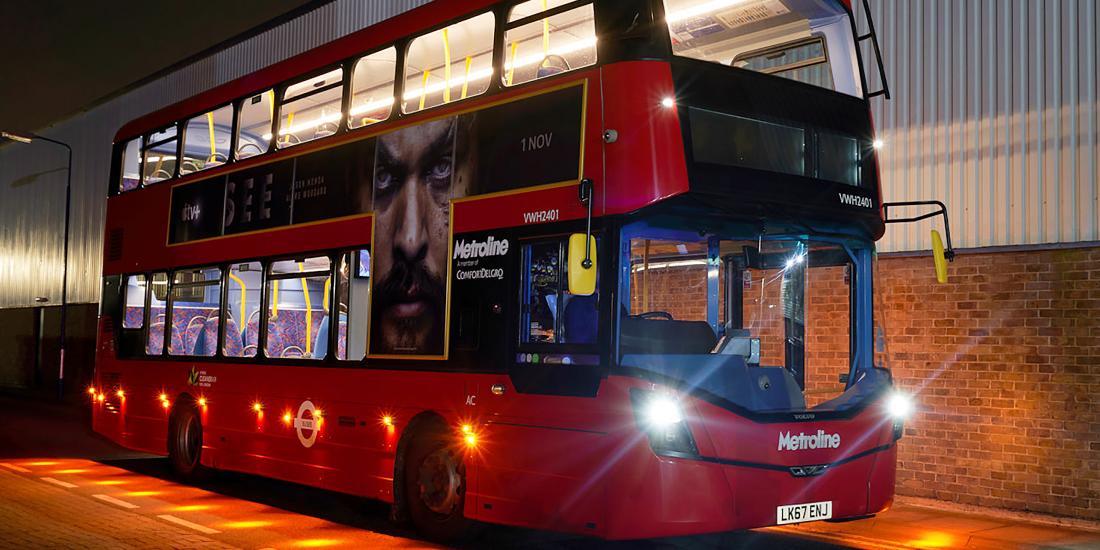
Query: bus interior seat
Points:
[134, 316]
[155, 343]
[666, 337]
[581, 319]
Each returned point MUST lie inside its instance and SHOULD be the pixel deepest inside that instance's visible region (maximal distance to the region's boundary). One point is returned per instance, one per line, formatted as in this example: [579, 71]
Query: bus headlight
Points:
[660, 417]
[662, 411]
[899, 406]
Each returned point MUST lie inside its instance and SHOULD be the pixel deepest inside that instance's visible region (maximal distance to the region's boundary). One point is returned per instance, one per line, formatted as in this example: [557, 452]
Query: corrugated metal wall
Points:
[995, 113]
[32, 177]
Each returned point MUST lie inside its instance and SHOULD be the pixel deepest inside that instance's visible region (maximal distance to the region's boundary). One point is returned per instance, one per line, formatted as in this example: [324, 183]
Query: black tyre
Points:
[185, 443]
[435, 485]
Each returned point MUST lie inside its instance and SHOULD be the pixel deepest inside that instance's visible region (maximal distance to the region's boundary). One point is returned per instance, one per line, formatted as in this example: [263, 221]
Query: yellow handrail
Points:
[545, 32]
[328, 287]
[309, 310]
[466, 79]
[446, 68]
[424, 88]
[275, 300]
[512, 63]
[210, 125]
[289, 125]
[243, 296]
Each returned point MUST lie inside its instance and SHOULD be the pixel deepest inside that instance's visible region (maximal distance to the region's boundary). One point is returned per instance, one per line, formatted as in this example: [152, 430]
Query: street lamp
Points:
[28, 138]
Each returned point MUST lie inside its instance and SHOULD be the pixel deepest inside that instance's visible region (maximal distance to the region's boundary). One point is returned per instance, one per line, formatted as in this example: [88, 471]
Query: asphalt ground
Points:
[62, 486]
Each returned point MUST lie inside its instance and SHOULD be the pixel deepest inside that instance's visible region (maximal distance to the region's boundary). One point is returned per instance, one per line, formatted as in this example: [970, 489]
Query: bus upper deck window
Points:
[372, 88]
[159, 156]
[254, 124]
[538, 47]
[129, 172]
[449, 64]
[206, 140]
[811, 42]
[310, 109]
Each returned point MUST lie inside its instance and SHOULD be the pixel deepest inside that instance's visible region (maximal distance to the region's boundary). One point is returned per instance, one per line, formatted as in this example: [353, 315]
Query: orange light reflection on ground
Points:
[42, 463]
[193, 507]
[71, 471]
[142, 493]
[317, 543]
[933, 539]
[246, 524]
[111, 482]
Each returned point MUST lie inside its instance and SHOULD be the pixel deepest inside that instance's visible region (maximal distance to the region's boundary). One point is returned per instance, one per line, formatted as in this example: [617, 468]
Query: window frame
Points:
[185, 122]
[498, 67]
[265, 313]
[562, 240]
[146, 145]
[170, 300]
[280, 100]
[784, 46]
[398, 86]
[495, 59]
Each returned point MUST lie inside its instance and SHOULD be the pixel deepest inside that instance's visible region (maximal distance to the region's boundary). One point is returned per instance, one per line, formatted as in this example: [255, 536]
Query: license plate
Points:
[798, 513]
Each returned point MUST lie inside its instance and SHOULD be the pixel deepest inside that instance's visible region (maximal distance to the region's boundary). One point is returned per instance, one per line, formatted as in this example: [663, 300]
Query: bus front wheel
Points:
[435, 485]
[185, 443]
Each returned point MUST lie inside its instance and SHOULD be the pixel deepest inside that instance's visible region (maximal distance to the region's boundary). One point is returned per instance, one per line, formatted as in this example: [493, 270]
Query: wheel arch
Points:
[418, 423]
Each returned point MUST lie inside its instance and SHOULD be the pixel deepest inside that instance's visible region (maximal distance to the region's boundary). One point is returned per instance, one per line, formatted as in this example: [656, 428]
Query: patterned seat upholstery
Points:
[155, 344]
[134, 317]
[233, 345]
[288, 332]
[251, 334]
[342, 338]
[188, 324]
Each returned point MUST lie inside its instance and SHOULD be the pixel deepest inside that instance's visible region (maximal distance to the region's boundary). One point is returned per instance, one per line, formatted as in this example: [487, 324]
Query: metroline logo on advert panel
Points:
[801, 441]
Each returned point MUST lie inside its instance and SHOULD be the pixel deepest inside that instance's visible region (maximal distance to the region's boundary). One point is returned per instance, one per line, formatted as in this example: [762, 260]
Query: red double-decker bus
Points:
[596, 266]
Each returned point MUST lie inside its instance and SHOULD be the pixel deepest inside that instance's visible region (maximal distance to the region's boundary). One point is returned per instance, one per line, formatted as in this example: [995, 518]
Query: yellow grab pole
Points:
[424, 88]
[243, 296]
[466, 78]
[446, 68]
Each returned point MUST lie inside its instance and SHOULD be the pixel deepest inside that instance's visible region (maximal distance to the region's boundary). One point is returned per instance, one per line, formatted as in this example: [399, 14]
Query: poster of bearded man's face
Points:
[418, 170]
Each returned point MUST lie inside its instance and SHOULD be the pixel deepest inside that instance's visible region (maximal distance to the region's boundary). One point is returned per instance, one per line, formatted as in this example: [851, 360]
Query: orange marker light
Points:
[317, 414]
[257, 406]
[467, 429]
[286, 418]
[471, 440]
[202, 401]
[101, 397]
[163, 397]
[91, 390]
[387, 421]
[165, 404]
[121, 394]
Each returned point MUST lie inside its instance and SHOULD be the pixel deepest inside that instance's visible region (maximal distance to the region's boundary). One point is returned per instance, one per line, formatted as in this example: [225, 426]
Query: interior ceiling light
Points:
[700, 9]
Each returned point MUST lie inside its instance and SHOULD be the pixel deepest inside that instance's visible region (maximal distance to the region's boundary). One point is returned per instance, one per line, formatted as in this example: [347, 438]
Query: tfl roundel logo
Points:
[307, 423]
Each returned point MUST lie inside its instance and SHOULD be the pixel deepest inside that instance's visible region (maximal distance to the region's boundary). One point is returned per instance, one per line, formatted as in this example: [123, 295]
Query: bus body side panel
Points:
[646, 161]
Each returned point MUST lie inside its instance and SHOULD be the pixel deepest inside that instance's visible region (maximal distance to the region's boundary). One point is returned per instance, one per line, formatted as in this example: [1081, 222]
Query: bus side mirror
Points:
[582, 264]
[938, 257]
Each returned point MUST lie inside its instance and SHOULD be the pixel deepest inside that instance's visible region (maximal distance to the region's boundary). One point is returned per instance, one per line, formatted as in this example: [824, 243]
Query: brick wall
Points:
[1004, 361]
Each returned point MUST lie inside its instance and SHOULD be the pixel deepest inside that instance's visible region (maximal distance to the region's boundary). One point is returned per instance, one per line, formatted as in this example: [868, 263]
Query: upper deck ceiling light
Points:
[701, 9]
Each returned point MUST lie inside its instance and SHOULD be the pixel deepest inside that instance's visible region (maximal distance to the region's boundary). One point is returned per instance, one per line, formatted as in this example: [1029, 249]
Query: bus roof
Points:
[382, 33]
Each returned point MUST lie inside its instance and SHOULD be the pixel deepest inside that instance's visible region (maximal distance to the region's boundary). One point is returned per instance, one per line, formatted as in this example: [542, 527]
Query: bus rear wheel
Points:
[435, 485]
[185, 443]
